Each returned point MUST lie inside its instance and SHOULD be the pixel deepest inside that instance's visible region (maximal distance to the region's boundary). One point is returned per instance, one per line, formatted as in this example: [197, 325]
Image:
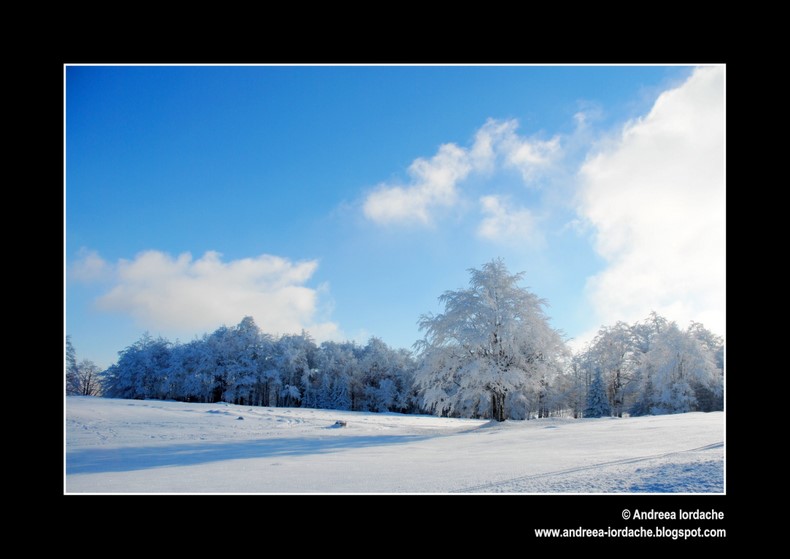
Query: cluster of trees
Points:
[242, 365]
[649, 367]
[492, 353]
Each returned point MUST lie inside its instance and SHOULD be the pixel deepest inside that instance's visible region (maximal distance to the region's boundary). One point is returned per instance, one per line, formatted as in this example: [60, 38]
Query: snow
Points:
[118, 446]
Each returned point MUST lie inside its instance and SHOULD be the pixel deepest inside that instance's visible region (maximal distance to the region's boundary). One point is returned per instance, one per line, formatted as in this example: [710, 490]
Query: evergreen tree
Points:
[597, 401]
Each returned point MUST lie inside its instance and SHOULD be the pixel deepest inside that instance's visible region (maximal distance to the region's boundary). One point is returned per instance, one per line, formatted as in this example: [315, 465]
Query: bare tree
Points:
[85, 379]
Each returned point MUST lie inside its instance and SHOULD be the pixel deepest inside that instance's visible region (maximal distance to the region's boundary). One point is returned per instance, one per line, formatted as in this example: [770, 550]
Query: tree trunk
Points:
[618, 394]
[498, 405]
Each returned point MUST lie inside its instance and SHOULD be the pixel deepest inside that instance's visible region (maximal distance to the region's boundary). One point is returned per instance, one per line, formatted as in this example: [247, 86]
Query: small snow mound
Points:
[240, 417]
[339, 423]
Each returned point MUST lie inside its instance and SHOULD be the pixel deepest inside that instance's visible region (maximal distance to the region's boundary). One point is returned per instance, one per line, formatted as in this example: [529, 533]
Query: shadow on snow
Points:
[100, 460]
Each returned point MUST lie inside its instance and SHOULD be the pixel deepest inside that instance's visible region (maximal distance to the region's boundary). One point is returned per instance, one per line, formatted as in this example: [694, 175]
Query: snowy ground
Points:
[153, 446]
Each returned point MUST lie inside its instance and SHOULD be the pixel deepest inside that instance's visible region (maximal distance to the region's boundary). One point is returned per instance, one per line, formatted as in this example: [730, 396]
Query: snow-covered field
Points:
[155, 446]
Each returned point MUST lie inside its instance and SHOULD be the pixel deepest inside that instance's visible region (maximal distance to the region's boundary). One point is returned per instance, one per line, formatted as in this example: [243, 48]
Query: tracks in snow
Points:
[489, 486]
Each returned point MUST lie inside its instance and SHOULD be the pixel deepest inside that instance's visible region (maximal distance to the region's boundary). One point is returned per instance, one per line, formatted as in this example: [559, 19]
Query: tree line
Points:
[242, 365]
[649, 367]
[492, 353]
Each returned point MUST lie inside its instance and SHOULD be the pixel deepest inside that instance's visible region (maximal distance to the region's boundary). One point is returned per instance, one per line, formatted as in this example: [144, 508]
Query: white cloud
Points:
[488, 142]
[433, 185]
[532, 157]
[185, 295]
[656, 201]
[498, 145]
[504, 224]
[89, 267]
[435, 181]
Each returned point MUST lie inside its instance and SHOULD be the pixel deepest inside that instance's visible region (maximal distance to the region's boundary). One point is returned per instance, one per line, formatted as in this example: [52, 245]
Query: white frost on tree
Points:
[140, 371]
[492, 341]
[614, 353]
[675, 368]
[337, 365]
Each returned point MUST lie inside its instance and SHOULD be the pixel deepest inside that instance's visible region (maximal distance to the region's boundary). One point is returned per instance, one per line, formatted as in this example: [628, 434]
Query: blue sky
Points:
[345, 200]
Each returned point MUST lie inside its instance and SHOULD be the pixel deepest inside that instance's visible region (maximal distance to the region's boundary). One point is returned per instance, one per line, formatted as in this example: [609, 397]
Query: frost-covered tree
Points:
[295, 360]
[710, 397]
[597, 399]
[191, 372]
[563, 397]
[492, 339]
[71, 368]
[387, 377]
[615, 354]
[337, 365]
[406, 400]
[578, 377]
[247, 354]
[140, 372]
